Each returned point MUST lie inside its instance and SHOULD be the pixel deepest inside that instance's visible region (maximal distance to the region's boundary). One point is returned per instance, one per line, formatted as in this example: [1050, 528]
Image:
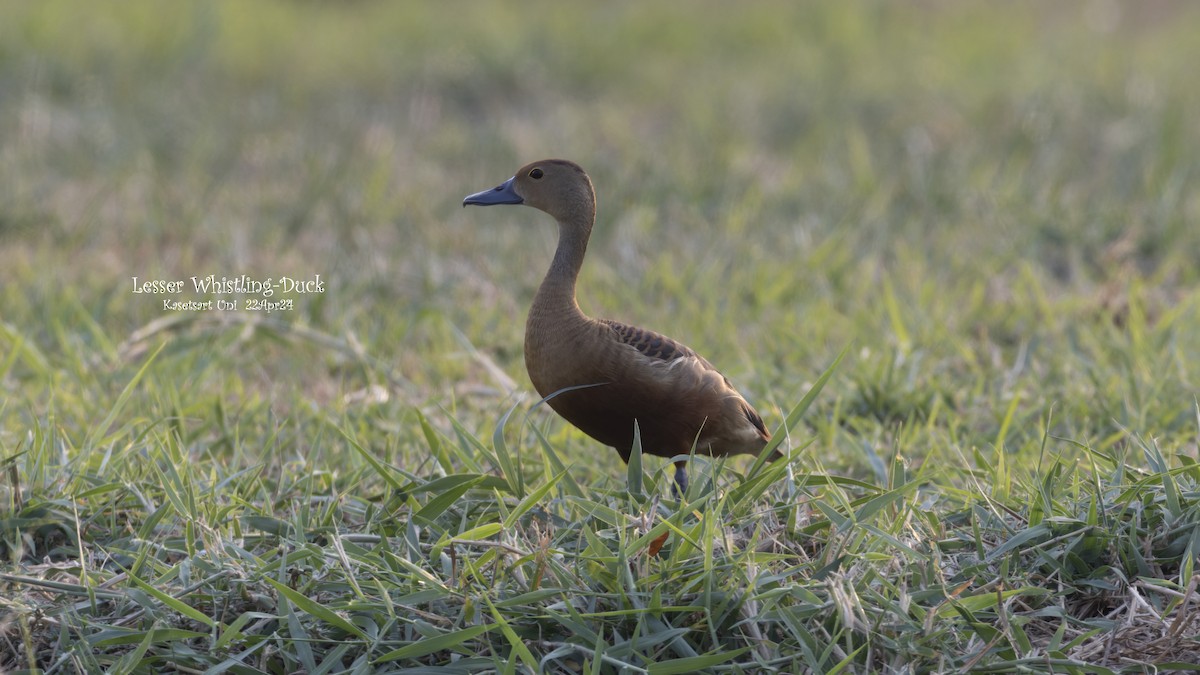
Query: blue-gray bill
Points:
[501, 194]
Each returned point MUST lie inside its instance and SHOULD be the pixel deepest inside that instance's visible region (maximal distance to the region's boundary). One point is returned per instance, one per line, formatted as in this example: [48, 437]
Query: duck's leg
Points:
[681, 482]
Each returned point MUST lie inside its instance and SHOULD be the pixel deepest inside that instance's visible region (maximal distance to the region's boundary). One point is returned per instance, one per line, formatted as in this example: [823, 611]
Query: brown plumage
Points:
[602, 375]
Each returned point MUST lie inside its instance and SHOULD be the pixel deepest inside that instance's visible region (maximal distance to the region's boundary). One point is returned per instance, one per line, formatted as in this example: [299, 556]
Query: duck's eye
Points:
[536, 174]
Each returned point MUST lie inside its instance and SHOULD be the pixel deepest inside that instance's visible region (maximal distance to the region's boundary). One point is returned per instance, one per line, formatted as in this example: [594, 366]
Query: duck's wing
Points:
[678, 366]
[650, 344]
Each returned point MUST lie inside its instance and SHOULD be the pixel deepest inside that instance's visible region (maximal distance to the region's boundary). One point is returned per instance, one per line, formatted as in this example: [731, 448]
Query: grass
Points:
[990, 206]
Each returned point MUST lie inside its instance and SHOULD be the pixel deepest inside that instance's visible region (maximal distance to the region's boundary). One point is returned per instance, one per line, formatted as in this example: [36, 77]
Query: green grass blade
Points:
[633, 472]
[532, 499]
[94, 437]
[432, 645]
[316, 609]
[129, 663]
[509, 468]
[380, 469]
[518, 645]
[437, 506]
[793, 417]
[174, 603]
[694, 664]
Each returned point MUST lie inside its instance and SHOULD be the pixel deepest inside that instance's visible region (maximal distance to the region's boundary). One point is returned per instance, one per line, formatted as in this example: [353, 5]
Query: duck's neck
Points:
[555, 300]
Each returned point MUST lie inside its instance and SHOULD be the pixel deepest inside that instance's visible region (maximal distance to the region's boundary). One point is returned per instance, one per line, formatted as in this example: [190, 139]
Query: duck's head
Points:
[555, 186]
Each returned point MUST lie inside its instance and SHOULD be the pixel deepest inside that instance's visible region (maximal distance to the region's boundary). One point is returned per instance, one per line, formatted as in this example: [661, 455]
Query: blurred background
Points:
[966, 190]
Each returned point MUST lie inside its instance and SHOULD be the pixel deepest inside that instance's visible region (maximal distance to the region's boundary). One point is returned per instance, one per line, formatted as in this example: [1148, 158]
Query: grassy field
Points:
[990, 207]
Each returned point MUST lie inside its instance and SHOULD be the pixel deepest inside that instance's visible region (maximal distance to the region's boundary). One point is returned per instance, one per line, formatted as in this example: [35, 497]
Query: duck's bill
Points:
[501, 194]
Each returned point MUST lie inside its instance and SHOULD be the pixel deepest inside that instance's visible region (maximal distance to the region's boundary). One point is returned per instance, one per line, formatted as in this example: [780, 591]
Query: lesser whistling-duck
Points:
[602, 375]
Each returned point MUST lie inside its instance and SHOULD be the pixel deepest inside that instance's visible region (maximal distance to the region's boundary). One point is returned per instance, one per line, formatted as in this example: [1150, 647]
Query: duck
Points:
[606, 377]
